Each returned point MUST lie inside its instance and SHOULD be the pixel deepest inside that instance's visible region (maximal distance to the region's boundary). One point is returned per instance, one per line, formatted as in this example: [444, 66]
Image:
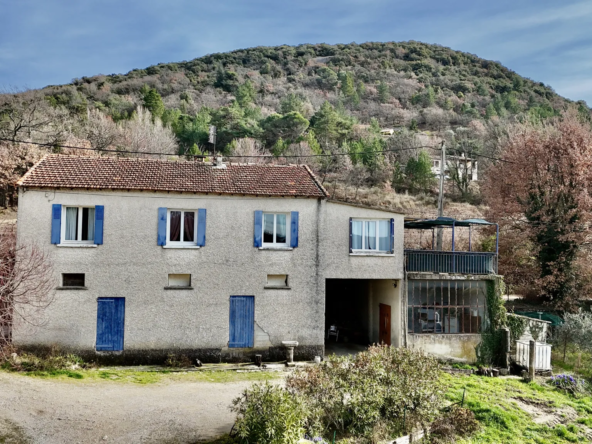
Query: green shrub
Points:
[268, 414]
[48, 362]
[569, 383]
[355, 395]
[457, 422]
[178, 361]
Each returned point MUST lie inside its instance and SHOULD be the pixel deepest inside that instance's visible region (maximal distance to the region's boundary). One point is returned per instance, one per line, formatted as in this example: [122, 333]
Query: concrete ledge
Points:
[71, 288]
[271, 354]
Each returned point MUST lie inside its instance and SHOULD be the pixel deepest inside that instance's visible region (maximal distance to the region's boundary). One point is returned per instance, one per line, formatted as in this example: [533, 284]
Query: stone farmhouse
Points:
[217, 262]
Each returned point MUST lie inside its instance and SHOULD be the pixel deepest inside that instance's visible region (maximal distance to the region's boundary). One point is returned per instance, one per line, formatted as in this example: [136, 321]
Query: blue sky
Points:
[45, 42]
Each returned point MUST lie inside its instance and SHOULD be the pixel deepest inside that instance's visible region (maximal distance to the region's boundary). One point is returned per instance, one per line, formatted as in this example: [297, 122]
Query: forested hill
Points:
[299, 100]
[371, 80]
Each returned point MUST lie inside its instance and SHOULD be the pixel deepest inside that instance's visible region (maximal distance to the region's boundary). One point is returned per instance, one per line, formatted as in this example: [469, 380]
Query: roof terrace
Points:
[453, 261]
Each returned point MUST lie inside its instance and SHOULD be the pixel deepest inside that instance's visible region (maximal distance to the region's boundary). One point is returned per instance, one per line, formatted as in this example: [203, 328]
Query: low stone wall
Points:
[459, 347]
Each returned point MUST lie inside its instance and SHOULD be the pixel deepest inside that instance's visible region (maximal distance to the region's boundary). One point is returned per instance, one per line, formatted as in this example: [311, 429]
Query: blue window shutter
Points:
[294, 229]
[350, 235]
[392, 236]
[162, 225]
[99, 220]
[56, 223]
[201, 227]
[257, 240]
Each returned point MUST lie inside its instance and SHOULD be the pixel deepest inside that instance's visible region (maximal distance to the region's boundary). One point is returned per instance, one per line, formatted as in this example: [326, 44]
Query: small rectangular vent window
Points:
[179, 280]
[277, 280]
[73, 280]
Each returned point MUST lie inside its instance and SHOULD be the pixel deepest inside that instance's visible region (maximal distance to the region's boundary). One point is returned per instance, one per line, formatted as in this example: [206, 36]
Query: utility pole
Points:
[212, 138]
[441, 194]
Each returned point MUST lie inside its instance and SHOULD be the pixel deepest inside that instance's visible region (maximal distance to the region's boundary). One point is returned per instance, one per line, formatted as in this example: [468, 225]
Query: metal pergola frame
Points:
[449, 222]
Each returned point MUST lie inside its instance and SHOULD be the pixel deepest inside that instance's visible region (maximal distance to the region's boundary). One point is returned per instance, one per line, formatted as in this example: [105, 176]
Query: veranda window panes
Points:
[371, 236]
[181, 227]
[275, 229]
[79, 225]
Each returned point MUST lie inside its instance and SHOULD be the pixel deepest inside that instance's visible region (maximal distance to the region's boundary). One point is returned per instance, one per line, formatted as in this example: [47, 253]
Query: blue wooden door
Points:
[242, 321]
[110, 322]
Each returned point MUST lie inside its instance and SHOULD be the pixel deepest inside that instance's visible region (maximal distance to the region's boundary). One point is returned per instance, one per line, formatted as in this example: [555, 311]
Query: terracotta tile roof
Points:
[59, 171]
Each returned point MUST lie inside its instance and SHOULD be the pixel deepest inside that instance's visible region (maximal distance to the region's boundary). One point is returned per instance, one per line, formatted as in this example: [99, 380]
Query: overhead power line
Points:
[257, 156]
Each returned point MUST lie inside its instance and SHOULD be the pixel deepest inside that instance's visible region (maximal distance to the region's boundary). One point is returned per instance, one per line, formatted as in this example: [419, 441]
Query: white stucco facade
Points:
[130, 264]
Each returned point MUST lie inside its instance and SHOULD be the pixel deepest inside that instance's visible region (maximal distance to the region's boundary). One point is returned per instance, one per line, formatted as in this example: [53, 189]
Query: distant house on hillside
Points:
[217, 262]
[463, 166]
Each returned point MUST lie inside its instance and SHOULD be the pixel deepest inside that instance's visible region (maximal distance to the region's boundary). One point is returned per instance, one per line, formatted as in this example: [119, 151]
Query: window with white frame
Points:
[371, 236]
[275, 229]
[78, 225]
[182, 227]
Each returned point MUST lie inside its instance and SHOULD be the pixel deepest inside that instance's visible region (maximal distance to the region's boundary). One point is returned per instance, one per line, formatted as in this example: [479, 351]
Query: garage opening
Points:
[360, 312]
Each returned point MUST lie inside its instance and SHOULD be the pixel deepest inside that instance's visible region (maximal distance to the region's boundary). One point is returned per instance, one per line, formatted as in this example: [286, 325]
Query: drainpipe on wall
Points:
[404, 303]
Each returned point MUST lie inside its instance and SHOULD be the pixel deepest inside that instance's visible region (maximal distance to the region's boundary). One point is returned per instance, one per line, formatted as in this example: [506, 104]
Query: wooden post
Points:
[506, 347]
[441, 195]
[531, 359]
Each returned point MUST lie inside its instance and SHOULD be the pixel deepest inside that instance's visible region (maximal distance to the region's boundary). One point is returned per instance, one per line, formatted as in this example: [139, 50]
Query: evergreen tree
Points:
[288, 127]
[419, 173]
[482, 89]
[490, 111]
[292, 103]
[383, 92]
[153, 102]
[311, 139]
[360, 89]
[348, 88]
[429, 97]
[511, 103]
[329, 125]
[245, 94]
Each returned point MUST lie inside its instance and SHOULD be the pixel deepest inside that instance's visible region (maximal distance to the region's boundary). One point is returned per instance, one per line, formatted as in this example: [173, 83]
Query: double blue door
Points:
[110, 323]
[242, 321]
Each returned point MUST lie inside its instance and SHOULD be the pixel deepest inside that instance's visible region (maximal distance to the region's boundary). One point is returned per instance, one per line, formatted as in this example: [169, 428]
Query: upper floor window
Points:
[371, 236]
[275, 229]
[73, 226]
[181, 228]
[78, 225]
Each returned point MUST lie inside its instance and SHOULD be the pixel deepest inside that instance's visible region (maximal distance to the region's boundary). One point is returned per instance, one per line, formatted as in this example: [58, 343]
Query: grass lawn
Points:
[150, 377]
[575, 362]
[501, 404]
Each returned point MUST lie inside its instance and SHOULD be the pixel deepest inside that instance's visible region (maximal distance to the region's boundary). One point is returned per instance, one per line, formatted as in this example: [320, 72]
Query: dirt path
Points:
[49, 411]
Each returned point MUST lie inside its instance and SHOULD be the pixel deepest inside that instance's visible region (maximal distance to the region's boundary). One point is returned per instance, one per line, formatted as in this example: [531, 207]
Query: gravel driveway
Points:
[47, 411]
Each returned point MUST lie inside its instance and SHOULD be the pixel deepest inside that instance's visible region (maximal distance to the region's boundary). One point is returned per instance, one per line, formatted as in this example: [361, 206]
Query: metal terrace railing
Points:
[461, 262]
